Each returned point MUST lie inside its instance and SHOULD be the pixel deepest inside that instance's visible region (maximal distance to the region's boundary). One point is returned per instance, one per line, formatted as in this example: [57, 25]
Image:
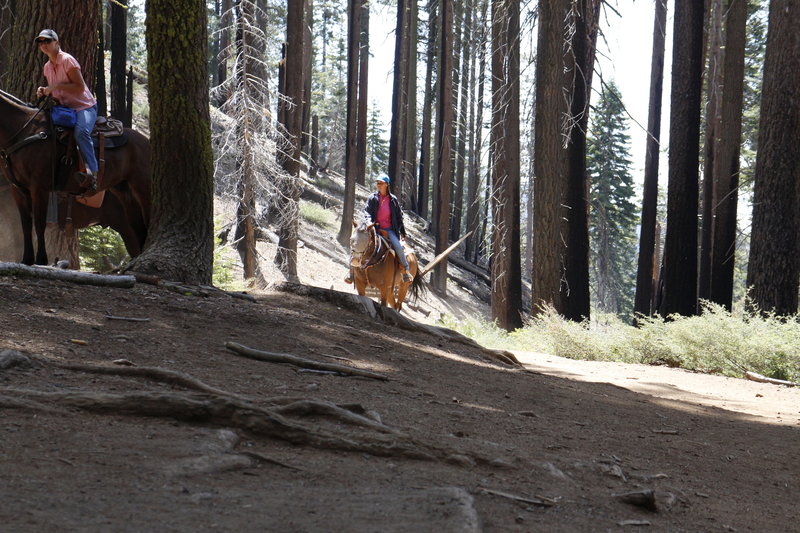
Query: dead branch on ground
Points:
[71, 276]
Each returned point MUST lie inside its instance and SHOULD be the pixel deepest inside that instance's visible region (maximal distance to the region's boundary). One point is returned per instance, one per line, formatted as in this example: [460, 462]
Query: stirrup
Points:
[348, 279]
[407, 277]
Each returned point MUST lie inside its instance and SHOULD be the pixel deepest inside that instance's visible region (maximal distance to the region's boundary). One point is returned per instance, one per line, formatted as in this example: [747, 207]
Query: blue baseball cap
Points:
[384, 178]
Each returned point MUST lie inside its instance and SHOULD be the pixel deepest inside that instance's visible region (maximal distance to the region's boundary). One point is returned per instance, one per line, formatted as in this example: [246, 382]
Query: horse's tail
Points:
[418, 287]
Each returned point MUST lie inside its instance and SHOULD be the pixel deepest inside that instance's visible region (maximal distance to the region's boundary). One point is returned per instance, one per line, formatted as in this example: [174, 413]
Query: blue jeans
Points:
[398, 247]
[83, 136]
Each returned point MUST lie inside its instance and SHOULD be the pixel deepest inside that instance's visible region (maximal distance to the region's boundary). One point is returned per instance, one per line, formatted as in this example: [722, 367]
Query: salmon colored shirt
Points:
[57, 73]
[384, 215]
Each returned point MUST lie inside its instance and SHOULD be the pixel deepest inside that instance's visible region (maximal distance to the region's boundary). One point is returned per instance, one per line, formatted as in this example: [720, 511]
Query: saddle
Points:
[383, 250]
[108, 134]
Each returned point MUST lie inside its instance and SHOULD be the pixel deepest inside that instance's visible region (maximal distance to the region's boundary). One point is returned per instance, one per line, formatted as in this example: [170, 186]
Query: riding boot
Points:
[407, 278]
[88, 181]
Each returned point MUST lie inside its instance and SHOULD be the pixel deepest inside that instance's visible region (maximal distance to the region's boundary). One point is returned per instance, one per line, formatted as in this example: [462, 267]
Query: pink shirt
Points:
[384, 215]
[57, 73]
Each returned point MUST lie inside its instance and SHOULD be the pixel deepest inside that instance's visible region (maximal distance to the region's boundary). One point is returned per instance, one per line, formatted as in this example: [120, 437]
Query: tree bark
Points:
[726, 160]
[180, 241]
[773, 272]
[119, 56]
[286, 257]
[643, 303]
[425, 143]
[505, 264]
[351, 128]
[680, 248]
[445, 141]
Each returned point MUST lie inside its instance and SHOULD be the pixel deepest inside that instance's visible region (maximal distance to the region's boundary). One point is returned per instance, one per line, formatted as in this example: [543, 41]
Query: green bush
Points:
[714, 342]
[317, 215]
[101, 249]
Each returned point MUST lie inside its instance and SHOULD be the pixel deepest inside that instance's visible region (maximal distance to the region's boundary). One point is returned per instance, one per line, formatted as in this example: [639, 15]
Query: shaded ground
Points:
[71, 459]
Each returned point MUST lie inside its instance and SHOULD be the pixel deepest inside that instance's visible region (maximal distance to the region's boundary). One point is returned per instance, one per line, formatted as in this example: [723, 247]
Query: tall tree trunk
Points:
[286, 258]
[561, 233]
[100, 73]
[425, 143]
[225, 23]
[397, 139]
[506, 297]
[444, 119]
[680, 248]
[643, 303]
[712, 134]
[180, 239]
[474, 200]
[773, 272]
[308, 57]
[463, 113]
[363, 94]
[351, 128]
[119, 56]
[726, 160]
[410, 155]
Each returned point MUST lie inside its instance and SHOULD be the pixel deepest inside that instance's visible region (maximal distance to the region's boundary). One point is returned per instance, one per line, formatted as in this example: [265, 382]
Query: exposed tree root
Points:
[231, 413]
[362, 304]
[161, 375]
[272, 357]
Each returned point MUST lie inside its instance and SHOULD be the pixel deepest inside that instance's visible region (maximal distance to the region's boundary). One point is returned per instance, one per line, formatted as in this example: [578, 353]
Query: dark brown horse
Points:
[376, 265]
[32, 161]
[111, 214]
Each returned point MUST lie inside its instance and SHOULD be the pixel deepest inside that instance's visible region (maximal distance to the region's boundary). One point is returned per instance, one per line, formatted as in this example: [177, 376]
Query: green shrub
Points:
[714, 342]
[101, 249]
[317, 215]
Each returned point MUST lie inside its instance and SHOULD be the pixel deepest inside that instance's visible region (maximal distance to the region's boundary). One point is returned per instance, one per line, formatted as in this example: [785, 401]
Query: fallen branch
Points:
[536, 500]
[272, 357]
[752, 376]
[72, 276]
[127, 319]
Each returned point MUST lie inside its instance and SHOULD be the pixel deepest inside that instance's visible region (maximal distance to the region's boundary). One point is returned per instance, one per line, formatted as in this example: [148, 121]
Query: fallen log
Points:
[71, 276]
[752, 376]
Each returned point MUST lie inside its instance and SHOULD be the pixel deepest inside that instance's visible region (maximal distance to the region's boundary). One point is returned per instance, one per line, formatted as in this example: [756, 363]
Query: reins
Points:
[5, 153]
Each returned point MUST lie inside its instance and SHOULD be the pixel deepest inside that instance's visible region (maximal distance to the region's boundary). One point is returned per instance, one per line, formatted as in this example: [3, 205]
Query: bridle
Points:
[6, 152]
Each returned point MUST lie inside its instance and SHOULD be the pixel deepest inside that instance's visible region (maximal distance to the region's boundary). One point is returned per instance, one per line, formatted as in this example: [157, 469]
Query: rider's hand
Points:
[43, 91]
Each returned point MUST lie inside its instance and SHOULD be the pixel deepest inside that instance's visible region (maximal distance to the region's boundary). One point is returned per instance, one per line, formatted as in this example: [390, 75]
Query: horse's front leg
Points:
[40, 199]
[23, 201]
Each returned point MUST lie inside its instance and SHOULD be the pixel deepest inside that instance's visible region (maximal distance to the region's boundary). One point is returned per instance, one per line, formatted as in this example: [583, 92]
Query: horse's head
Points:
[361, 240]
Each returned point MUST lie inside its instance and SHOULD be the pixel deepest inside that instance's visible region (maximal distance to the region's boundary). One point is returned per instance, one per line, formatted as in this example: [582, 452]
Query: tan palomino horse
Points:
[375, 265]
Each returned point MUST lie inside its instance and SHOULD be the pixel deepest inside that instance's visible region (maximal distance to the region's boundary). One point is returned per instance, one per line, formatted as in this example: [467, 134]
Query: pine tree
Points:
[612, 218]
[377, 145]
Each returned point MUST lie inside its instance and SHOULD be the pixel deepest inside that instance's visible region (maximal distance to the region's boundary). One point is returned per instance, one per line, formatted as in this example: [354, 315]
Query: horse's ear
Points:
[371, 225]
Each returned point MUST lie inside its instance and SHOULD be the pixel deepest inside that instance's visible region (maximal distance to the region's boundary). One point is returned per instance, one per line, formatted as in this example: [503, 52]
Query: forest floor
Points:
[155, 425]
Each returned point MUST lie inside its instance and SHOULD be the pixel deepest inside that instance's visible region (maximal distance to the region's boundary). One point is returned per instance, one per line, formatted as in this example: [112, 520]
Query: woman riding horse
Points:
[65, 84]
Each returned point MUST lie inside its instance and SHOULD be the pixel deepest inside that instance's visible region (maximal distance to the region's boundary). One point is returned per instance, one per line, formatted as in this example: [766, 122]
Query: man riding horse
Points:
[383, 209]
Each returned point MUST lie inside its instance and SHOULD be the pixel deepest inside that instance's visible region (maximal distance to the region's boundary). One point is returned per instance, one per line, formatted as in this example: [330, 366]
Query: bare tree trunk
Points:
[363, 94]
[425, 143]
[712, 135]
[308, 41]
[461, 138]
[505, 264]
[474, 200]
[726, 162]
[680, 247]
[119, 57]
[286, 258]
[351, 128]
[444, 143]
[224, 46]
[100, 74]
[397, 139]
[773, 272]
[646, 265]
[180, 239]
[410, 155]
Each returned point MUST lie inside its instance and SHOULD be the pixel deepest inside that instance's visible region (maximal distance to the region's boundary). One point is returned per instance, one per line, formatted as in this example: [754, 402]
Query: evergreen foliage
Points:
[377, 146]
[613, 216]
[101, 249]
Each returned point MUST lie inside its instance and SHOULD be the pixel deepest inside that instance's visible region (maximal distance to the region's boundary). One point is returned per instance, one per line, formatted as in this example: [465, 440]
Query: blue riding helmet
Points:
[384, 178]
